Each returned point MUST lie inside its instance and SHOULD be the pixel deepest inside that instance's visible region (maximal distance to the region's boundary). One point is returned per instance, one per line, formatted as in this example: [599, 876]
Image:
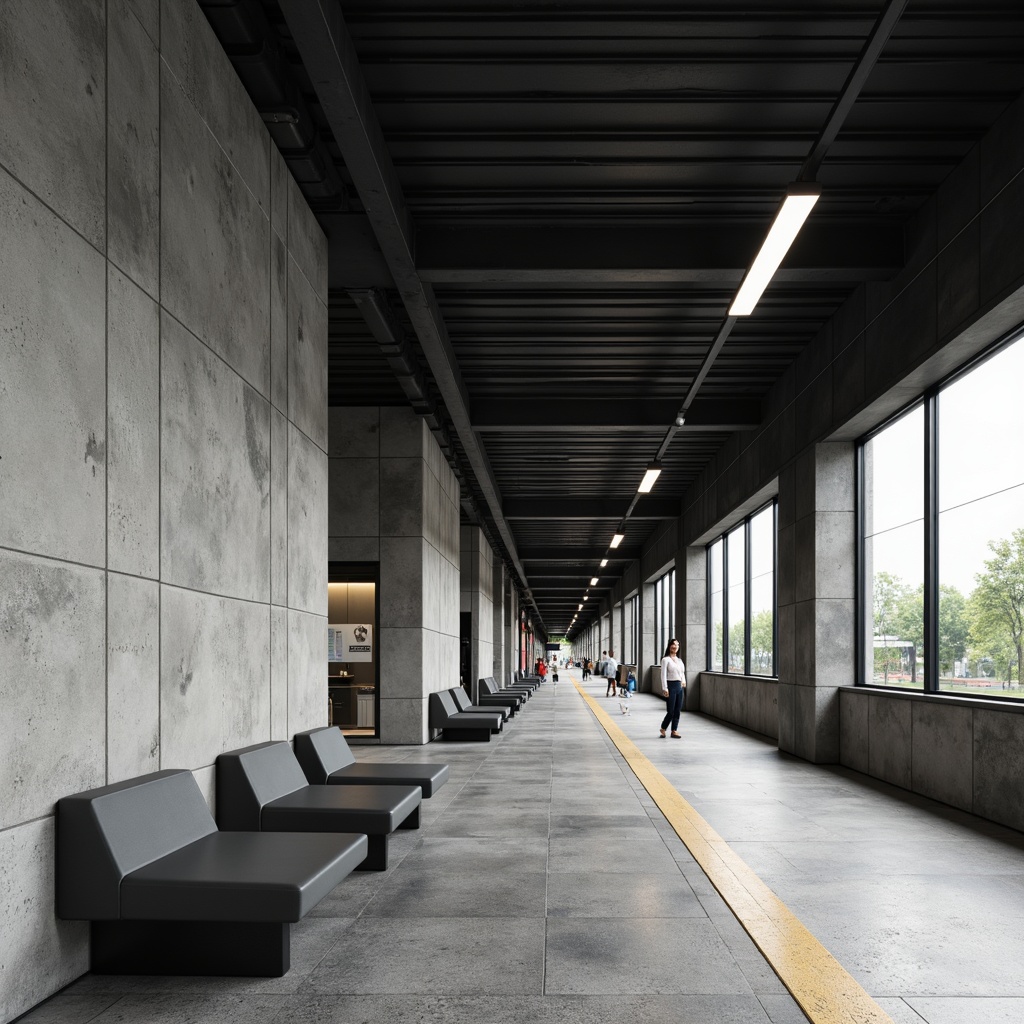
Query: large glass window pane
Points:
[894, 553]
[735, 609]
[762, 592]
[717, 620]
[981, 530]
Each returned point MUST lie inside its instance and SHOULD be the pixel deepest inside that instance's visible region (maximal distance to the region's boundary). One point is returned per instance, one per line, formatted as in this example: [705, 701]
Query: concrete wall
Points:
[163, 468]
[965, 753]
[743, 700]
[477, 596]
[394, 500]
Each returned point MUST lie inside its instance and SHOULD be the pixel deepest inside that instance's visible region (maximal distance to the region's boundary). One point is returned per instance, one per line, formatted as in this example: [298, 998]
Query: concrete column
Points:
[691, 610]
[476, 592]
[499, 656]
[649, 656]
[817, 602]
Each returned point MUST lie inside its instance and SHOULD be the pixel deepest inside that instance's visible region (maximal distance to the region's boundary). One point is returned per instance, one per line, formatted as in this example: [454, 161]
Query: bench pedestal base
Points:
[256, 949]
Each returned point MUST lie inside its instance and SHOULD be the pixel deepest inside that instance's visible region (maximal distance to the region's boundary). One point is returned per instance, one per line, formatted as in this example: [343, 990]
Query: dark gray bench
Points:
[497, 698]
[464, 704]
[262, 789]
[325, 758]
[489, 686]
[455, 724]
[166, 893]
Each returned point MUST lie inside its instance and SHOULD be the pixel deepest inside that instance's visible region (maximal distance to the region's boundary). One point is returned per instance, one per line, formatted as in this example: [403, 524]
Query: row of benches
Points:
[452, 712]
[167, 889]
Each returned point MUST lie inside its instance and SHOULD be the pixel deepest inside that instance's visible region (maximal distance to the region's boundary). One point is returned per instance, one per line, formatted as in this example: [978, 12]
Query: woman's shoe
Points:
[675, 736]
[662, 733]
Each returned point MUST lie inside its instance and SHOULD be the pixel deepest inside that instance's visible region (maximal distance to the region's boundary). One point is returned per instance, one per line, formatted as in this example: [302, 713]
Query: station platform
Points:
[549, 882]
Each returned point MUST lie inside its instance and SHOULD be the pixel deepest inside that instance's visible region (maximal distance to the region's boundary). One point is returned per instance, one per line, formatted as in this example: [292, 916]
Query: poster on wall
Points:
[349, 642]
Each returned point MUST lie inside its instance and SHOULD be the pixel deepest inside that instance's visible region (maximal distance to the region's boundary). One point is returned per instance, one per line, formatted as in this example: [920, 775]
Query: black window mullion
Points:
[931, 543]
[747, 565]
[775, 588]
[860, 604]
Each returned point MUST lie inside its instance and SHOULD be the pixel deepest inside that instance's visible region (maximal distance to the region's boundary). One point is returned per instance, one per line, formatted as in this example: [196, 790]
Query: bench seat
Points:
[263, 788]
[326, 758]
[166, 893]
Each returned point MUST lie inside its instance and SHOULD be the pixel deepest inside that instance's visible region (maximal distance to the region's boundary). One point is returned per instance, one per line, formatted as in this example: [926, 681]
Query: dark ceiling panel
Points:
[584, 183]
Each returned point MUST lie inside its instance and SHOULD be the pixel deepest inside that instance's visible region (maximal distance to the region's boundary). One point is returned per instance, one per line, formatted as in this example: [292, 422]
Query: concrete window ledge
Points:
[1012, 705]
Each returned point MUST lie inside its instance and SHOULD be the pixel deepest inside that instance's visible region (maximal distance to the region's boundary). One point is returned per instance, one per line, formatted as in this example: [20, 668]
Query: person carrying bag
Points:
[610, 669]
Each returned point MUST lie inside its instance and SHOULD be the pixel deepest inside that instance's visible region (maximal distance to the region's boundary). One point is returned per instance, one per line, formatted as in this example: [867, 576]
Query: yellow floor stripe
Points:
[816, 980]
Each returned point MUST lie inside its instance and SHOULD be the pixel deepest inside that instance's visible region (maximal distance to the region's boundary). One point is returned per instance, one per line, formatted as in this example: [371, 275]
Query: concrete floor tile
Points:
[650, 955]
[585, 894]
[441, 956]
[452, 892]
[968, 1011]
[611, 855]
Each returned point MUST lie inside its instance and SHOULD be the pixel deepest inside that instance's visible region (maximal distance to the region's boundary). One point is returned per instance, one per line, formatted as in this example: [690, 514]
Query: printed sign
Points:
[349, 642]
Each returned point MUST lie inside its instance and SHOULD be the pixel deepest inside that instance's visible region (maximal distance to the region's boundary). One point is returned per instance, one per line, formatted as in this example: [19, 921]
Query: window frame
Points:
[929, 400]
[744, 525]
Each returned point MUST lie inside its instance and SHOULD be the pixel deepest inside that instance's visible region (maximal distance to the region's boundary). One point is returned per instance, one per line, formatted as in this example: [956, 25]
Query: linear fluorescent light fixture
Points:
[799, 201]
[617, 540]
[652, 474]
[579, 607]
[604, 562]
[593, 581]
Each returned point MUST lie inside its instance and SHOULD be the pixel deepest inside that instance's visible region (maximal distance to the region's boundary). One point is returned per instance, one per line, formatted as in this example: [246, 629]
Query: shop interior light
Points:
[652, 474]
[593, 582]
[799, 201]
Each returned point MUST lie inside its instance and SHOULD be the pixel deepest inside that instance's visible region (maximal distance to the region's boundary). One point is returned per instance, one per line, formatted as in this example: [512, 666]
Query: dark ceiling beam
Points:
[579, 555]
[329, 57]
[590, 508]
[583, 414]
[708, 253]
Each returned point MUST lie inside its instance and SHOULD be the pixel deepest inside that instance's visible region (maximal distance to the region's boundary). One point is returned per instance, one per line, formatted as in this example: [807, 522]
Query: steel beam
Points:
[590, 508]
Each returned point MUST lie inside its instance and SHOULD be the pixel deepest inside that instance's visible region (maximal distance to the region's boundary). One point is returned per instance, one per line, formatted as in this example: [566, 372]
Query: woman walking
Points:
[673, 684]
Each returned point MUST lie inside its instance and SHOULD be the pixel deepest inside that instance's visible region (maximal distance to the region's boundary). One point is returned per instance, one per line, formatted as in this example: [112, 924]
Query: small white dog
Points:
[624, 702]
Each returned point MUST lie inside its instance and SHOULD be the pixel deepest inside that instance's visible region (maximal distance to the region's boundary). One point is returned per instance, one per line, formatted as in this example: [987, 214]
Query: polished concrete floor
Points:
[544, 885]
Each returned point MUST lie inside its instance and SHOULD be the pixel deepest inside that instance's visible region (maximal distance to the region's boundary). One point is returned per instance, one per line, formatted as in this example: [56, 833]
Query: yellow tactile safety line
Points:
[816, 980]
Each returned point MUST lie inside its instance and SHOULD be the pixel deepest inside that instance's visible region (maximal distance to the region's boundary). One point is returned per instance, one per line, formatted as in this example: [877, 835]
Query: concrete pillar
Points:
[476, 590]
[817, 600]
[691, 610]
[499, 657]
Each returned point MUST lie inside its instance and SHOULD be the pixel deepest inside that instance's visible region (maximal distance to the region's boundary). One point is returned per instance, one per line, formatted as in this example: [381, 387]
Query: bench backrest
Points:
[442, 707]
[488, 685]
[322, 751]
[250, 778]
[461, 698]
[106, 833]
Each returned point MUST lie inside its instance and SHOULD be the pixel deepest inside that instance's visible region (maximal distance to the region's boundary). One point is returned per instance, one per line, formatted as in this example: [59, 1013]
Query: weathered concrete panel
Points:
[354, 433]
[133, 429]
[52, 74]
[52, 686]
[401, 660]
[133, 148]
[306, 241]
[39, 954]
[215, 488]
[205, 76]
[354, 497]
[133, 677]
[307, 358]
[401, 581]
[307, 670]
[278, 323]
[998, 766]
[279, 674]
[307, 524]
[278, 508]
[52, 383]
[942, 753]
[214, 242]
[854, 735]
[401, 433]
[402, 506]
[889, 743]
[403, 720]
[214, 676]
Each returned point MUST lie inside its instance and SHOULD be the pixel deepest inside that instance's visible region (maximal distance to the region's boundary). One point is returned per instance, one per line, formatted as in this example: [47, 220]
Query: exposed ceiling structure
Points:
[539, 212]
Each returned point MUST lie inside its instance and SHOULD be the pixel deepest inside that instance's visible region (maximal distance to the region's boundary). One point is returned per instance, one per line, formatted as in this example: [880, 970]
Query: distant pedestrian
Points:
[610, 670]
